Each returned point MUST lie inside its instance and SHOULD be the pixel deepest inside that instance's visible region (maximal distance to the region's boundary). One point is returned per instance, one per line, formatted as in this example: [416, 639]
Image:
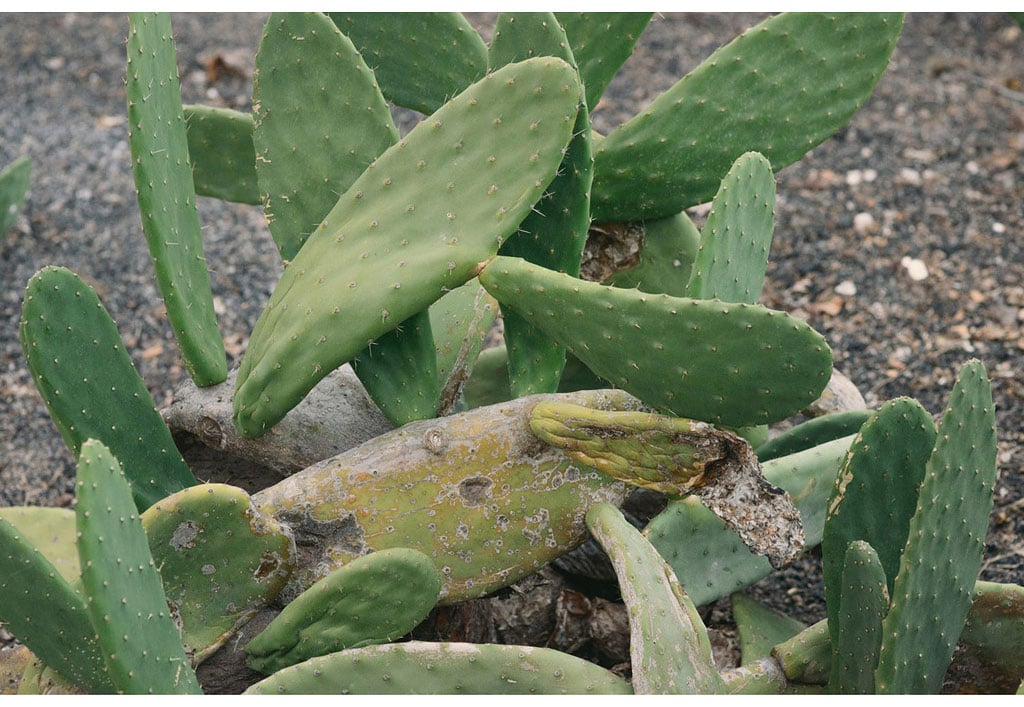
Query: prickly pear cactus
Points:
[376, 598]
[780, 88]
[733, 254]
[220, 560]
[601, 42]
[875, 494]
[319, 121]
[49, 530]
[760, 628]
[222, 153]
[946, 540]
[476, 492]
[666, 260]
[669, 648]
[14, 181]
[90, 386]
[440, 54]
[817, 430]
[459, 322]
[415, 224]
[47, 614]
[863, 602]
[730, 364]
[166, 194]
[139, 640]
[420, 668]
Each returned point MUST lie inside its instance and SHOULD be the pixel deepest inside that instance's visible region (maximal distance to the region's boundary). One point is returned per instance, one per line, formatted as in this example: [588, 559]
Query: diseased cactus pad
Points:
[477, 492]
[220, 560]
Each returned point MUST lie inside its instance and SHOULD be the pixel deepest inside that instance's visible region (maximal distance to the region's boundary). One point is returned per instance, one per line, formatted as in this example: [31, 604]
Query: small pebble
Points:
[846, 288]
[864, 223]
[915, 268]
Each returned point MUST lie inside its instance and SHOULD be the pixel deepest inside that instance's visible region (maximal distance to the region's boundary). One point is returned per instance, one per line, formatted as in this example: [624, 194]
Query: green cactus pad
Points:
[436, 204]
[166, 194]
[806, 658]
[993, 637]
[90, 386]
[863, 602]
[669, 647]
[666, 260]
[780, 88]
[373, 599]
[601, 43]
[488, 384]
[760, 628]
[733, 252]
[439, 54]
[14, 182]
[319, 121]
[476, 492]
[762, 677]
[399, 371]
[49, 530]
[44, 612]
[554, 233]
[460, 322]
[875, 493]
[221, 561]
[946, 541]
[222, 153]
[729, 364]
[709, 558]
[140, 643]
[815, 431]
[419, 668]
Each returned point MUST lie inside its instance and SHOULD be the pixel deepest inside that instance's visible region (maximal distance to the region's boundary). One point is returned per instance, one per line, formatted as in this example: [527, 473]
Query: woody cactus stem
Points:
[166, 194]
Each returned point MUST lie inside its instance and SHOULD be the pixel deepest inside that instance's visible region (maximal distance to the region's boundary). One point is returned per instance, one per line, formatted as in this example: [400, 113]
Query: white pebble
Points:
[915, 268]
[846, 288]
[998, 228]
[863, 223]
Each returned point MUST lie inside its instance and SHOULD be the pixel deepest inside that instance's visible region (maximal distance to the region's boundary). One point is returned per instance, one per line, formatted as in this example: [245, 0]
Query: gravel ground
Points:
[928, 176]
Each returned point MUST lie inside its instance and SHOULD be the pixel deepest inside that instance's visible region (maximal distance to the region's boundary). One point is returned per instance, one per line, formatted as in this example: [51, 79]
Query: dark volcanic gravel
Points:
[928, 175]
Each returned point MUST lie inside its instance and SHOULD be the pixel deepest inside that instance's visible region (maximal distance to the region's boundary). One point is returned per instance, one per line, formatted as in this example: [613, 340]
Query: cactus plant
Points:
[222, 153]
[91, 388]
[373, 599]
[166, 195]
[14, 181]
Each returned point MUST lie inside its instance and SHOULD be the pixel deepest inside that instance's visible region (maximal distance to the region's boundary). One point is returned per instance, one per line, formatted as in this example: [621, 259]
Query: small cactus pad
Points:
[806, 657]
[319, 121]
[90, 386]
[729, 364]
[708, 556]
[946, 541]
[863, 601]
[46, 614]
[679, 457]
[420, 668]
[14, 181]
[875, 494]
[476, 492]
[220, 561]
[414, 225]
[523, 35]
[760, 628]
[733, 253]
[459, 322]
[780, 88]
[601, 42]
[376, 598]
[668, 644]
[223, 157]
[439, 54]
[140, 642]
[992, 641]
[813, 432]
[666, 261]
[166, 194]
[49, 530]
